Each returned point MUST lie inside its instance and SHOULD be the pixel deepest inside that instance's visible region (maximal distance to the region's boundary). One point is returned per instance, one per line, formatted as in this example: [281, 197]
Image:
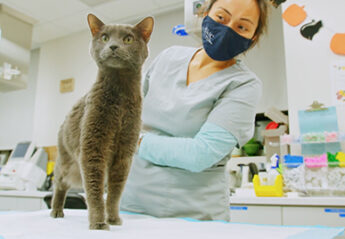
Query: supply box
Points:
[314, 174]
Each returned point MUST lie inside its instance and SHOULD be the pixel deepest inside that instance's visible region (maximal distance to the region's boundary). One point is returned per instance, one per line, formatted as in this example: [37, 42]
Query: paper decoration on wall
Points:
[294, 15]
[310, 29]
[276, 3]
[338, 43]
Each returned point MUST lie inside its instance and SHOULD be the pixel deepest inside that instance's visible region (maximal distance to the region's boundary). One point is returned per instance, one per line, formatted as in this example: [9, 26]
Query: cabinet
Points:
[22, 200]
[311, 211]
[256, 214]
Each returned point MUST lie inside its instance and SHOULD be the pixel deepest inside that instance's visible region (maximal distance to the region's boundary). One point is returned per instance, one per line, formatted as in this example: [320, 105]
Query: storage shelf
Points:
[11, 85]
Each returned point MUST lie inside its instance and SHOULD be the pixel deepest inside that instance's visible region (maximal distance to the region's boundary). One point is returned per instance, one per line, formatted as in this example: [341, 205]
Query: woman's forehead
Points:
[241, 8]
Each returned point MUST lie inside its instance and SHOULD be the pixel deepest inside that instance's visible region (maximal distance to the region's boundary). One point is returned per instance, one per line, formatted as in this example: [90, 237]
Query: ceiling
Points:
[57, 18]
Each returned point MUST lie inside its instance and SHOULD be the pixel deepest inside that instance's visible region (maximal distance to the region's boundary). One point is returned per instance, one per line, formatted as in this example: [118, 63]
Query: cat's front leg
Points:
[93, 167]
[117, 176]
[118, 173]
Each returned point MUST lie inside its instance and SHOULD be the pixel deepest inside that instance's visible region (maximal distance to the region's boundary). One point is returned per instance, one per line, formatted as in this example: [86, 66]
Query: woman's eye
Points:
[220, 18]
[128, 39]
[242, 28]
[105, 38]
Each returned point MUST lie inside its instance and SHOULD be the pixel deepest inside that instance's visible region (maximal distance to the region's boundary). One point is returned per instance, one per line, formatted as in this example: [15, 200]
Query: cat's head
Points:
[120, 46]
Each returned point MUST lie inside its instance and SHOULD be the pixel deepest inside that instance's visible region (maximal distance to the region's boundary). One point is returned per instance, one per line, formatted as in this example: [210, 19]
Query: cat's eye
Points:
[105, 38]
[128, 39]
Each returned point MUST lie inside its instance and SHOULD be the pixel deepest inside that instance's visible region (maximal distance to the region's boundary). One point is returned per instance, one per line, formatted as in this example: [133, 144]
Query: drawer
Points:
[325, 216]
[256, 214]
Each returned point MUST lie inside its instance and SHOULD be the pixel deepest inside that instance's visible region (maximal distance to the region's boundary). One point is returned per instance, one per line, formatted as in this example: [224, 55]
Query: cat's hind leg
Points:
[59, 197]
[60, 185]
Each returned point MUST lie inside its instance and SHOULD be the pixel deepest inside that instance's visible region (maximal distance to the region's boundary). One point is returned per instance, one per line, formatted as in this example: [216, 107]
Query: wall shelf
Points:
[11, 85]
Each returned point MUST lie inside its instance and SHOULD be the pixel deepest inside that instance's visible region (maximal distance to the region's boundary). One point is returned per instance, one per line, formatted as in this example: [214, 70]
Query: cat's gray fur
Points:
[98, 138]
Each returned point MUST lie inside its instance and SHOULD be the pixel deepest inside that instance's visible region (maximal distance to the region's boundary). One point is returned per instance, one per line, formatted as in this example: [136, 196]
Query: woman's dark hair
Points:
[263, 19]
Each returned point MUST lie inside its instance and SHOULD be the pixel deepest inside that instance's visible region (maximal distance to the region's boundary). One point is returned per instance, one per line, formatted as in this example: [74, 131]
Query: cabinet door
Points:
[311, 216]
[256, 214]
[7, 203]
[28, 204]
[20, 204]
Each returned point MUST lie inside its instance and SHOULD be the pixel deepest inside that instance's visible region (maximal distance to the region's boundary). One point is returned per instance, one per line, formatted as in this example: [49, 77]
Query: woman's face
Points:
[240, 15]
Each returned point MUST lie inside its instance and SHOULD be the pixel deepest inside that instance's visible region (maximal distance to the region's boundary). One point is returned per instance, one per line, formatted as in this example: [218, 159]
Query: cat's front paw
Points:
[99, 226]
[114, 221]
[56, 213]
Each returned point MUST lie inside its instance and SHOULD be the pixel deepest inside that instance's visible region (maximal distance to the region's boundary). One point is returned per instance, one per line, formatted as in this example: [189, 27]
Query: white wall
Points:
[69, 57]
[308, 62]
[267, 60]
[17, 109]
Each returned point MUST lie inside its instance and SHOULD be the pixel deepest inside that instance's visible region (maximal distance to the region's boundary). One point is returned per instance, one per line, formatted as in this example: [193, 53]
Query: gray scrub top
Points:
[227, 98]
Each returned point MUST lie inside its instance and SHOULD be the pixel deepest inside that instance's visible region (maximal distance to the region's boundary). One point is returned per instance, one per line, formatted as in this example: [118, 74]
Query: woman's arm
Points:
[229, 123]
[210, 145]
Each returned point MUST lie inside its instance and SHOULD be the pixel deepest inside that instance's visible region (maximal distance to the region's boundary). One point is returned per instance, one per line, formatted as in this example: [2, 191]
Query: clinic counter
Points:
[325, 211]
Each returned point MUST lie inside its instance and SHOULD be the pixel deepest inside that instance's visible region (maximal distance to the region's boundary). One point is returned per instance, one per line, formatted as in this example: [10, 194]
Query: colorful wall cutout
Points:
[338, 43]
[294, 15]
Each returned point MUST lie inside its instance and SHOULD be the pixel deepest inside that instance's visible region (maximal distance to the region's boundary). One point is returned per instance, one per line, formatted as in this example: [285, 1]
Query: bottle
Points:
[272, 172]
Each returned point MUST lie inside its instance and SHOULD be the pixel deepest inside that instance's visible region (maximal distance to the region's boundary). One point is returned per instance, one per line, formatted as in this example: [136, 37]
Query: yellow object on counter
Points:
[50, 167]
[341, 157]
[275, 190]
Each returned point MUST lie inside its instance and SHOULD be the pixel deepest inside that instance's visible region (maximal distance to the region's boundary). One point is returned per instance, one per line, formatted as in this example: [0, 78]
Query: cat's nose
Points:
[113, 47]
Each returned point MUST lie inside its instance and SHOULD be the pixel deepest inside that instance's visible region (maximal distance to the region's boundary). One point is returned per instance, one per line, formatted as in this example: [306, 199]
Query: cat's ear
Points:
[94, 23]
[145, 27]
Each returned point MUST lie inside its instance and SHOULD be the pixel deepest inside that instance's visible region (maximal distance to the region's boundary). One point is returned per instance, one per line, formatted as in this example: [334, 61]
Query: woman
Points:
[198, 105]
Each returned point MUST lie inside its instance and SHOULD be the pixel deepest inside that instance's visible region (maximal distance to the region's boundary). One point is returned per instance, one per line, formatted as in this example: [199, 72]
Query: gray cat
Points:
[98, 138]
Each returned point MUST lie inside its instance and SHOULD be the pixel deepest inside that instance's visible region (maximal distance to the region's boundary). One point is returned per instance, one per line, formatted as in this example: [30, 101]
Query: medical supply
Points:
[25, 169]
[180, 30]
[275, 190]
[316, 161]
[315, 175]
[340, 156]
[272, 171]
[263, 178]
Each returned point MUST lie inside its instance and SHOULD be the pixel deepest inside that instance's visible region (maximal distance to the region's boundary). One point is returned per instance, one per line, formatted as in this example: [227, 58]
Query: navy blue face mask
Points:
[220, 42]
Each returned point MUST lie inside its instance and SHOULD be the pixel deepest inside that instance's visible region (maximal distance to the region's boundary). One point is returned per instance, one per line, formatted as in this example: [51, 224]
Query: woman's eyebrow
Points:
[225, 10]
[247, 20]
[243, 19]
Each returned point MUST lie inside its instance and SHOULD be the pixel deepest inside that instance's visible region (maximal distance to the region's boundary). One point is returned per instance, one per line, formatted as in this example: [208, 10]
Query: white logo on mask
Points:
[208, 35]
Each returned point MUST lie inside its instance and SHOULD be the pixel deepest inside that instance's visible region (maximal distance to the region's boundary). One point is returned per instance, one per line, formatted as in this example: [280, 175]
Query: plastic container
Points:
[315, 176]
[275, 190]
